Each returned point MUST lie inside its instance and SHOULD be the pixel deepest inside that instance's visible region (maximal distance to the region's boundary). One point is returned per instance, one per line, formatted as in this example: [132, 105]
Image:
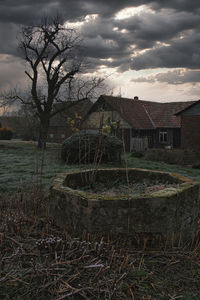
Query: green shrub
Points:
[90, 145]
[5, 133]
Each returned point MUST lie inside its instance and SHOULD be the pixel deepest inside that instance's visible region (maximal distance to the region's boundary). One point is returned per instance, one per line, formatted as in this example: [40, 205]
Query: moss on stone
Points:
[167, 210]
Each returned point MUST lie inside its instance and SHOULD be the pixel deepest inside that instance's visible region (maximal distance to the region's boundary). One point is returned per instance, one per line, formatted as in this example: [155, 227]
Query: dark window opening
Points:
[163, 136]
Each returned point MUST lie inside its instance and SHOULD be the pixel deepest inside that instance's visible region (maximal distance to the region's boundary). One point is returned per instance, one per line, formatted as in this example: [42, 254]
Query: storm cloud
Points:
[151, 35]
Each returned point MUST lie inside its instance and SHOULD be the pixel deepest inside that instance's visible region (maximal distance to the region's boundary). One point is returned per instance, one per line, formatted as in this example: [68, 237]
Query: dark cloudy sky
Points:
[151, 48]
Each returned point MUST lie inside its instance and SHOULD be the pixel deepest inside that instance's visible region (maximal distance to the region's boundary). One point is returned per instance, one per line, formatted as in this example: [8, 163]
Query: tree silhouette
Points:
[53, 56]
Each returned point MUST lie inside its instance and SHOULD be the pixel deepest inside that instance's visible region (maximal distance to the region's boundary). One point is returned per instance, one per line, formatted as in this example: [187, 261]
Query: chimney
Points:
[136, 98]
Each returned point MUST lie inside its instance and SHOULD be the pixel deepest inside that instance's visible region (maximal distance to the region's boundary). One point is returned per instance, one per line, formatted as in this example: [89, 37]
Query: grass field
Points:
[191, 173]
[22, 163]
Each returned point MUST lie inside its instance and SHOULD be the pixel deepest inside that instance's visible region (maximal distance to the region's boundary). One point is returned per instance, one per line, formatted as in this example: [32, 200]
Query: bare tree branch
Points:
[53, 56]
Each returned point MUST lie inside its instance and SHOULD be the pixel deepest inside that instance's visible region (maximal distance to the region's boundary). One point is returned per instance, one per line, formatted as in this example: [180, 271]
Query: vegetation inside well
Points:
[133, 188]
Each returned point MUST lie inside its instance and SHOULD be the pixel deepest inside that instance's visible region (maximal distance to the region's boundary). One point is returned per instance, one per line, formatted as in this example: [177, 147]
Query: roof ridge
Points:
[152, 122]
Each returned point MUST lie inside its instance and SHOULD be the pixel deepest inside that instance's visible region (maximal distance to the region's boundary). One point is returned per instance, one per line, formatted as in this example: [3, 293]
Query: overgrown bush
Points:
[90, 146]
[6, 133]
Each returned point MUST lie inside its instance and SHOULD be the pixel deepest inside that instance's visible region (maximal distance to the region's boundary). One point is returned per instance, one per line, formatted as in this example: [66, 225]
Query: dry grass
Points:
[41, 261]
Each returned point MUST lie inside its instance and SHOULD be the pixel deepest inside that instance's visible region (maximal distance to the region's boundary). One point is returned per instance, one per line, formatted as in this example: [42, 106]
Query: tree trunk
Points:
[43, 132]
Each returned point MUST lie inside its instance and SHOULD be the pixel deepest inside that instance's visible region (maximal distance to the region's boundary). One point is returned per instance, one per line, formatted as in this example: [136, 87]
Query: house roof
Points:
[142, 114]
[164, 114]
[131, 110]
[186, 108]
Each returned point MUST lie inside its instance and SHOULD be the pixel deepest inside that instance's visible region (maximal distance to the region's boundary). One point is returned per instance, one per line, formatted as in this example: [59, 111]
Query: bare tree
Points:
[53, 56]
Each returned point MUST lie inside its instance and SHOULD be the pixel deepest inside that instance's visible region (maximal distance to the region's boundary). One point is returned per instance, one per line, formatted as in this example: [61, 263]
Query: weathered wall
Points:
[167, 212]
[57, 134]
[94, 119]
[190, 132]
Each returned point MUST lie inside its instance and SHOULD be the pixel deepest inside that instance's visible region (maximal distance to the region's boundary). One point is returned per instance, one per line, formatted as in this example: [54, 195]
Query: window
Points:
[163, 136]
[62, 135]
[51, 135]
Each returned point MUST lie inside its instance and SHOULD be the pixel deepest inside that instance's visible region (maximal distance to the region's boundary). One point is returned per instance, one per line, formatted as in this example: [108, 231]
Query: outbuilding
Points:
[190, 126]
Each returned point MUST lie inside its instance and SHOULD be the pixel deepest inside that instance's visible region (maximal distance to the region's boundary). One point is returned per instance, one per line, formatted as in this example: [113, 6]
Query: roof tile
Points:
[142, 114]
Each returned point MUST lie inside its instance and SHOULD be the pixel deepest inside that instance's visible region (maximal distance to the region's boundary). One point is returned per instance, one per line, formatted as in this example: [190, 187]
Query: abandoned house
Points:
[59, 129]
[143, 124]
[190, 126]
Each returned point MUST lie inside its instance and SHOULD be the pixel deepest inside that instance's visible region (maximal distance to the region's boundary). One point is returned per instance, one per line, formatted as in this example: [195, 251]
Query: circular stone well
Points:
[167, 204]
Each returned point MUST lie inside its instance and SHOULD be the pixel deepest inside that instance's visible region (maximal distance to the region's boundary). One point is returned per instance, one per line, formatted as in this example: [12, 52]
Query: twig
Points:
[18, 279]
[14, 241]
[131, 292]
[70, 294]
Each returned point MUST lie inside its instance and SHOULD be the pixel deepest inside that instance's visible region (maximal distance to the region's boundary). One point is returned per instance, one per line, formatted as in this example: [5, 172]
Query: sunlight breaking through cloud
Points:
[131, 11]
[87, 19]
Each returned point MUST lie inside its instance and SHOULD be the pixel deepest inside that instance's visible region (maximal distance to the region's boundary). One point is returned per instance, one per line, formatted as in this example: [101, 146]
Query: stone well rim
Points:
[185, 183]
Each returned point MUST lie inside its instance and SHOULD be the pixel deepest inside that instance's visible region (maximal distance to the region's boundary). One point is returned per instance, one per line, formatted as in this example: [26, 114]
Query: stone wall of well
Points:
[170, 212]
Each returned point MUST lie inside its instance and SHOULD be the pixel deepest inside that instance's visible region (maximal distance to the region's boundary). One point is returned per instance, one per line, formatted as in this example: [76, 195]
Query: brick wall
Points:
[190, 132]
